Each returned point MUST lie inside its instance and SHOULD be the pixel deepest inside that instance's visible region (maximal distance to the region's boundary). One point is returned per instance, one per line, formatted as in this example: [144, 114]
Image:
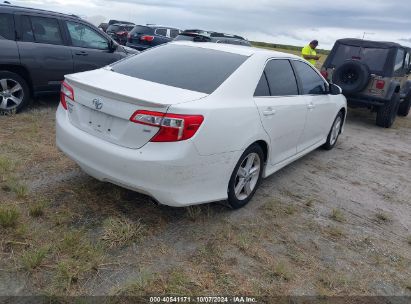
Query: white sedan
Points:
[190, 123]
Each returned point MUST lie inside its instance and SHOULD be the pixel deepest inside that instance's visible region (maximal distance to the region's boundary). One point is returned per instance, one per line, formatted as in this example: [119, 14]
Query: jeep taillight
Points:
[66, 92]
[173, 127]
[324, 73]
[380, 84]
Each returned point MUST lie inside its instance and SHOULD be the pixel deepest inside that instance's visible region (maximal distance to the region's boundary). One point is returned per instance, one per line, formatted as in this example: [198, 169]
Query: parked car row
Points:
[39, 47]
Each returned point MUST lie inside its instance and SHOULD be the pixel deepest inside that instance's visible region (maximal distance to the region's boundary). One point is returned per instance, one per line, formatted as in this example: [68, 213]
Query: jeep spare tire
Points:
[352, 76]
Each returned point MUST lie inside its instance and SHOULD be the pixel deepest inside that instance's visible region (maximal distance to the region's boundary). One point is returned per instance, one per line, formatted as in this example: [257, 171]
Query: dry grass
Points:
[121, 231]
[337, 215]
[9, 216]
[32, 259]
[38, 209]
[382, 217]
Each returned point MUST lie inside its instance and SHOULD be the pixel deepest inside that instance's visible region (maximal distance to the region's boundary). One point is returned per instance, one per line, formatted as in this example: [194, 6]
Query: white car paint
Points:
[196, 170]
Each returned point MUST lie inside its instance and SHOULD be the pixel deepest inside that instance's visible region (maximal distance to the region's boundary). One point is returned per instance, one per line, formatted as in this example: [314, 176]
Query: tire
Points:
[334, 133]
[352, 76]
[251, 180]
[387, 113]
[405, 106]
[13, 102]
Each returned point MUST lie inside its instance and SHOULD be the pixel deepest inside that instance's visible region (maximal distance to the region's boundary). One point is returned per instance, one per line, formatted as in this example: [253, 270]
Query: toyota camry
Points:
[190, 123]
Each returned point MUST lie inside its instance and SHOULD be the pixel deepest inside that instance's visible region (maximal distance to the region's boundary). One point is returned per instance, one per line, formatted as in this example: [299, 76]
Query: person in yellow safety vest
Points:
[309, 53]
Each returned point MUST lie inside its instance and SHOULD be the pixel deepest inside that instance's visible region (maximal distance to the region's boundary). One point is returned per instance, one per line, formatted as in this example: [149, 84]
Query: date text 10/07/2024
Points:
[171, 299]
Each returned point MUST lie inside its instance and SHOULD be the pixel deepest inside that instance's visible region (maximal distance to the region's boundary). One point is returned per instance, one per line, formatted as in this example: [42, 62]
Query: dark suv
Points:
[143, 37]
[119, 32]
[372, 74]
[207, 36]
[39, 47]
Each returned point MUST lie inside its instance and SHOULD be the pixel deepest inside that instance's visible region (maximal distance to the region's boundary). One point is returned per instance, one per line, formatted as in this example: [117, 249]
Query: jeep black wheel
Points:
[387, 113]
[352, 76]
[14, 92]
[405, 106]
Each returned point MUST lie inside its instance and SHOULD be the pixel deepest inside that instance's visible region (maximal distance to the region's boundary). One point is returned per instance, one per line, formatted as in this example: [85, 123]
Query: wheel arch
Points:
[21, 71]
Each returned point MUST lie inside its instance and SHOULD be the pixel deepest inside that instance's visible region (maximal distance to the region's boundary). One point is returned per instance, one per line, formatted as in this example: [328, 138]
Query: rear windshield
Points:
[113, 28]
[373, 57]
[139, 29]
[185, 67]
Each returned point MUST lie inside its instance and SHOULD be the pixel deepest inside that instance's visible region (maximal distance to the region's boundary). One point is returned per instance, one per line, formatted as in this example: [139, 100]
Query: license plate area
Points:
[100, 122]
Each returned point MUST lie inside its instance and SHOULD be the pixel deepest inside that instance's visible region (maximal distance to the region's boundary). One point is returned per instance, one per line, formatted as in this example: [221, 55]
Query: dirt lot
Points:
[332, 223]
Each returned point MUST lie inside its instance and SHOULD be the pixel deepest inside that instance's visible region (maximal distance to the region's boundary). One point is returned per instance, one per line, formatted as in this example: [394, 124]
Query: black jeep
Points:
[372, 74]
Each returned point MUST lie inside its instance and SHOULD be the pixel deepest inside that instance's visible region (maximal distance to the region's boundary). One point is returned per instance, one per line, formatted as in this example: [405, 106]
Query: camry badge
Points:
[98, 104]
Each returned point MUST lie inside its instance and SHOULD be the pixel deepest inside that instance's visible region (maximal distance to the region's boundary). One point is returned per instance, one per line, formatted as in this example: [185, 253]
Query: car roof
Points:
[14, 8]
[236, 49]
[159, 26]
[369, 43]
[122, 24]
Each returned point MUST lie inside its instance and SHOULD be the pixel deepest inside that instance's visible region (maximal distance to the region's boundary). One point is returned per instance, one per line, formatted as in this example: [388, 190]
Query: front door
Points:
[319, 105]
[282, 111]
[89, 48]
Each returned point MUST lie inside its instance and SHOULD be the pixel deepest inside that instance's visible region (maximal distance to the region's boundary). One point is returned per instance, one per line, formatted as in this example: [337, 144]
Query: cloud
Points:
[289, 22]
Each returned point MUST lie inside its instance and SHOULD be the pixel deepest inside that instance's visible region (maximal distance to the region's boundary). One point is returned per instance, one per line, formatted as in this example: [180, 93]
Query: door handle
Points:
[269, 112]
[310, 106]
[82, 54]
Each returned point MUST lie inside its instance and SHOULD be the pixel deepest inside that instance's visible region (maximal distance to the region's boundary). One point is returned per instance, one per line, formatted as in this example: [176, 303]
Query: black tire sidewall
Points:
[232, 199]
[405, 106]
[328, 145]
[23, 83]
[386, 114]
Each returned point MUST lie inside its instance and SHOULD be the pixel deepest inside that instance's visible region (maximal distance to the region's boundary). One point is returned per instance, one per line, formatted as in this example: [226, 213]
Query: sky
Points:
[294, 22]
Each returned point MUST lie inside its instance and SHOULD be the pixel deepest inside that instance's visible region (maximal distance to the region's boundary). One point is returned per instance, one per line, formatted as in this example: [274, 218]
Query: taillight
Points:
[380, 84]
[324, 73]
[173, 127]
[66, 91]
[147, 38]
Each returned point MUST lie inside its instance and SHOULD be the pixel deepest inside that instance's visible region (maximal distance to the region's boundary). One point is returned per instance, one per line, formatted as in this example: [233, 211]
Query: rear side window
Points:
[113, 28]
[281, 78]
[174, 33]
[185, 67]
[161, 32]
[6, 27]
[399, 60]
[311, 82]
[41, 29]
[262, 87]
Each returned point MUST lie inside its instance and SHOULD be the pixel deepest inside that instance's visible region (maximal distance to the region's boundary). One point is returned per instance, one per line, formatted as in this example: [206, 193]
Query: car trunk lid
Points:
[104, 101]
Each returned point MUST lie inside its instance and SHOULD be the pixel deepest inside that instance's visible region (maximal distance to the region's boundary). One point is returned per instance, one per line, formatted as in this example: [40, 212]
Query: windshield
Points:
[191, 68]
[374, 58]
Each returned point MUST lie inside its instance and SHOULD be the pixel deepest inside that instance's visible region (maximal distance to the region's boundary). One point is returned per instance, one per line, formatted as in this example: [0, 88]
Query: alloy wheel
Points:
[247, 176]
[11, 94]
[335, 131]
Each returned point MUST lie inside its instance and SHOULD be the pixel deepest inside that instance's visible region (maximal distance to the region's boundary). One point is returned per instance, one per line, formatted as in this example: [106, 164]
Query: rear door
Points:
[43, 51]
[90, 49]
[282, 110]
[320, 107]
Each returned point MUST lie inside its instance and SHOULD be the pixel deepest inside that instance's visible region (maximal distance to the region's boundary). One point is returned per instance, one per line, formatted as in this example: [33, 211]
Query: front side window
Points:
[312, 83]
[41, 30]
[85, 37]
[186, 67]
[399, 60]
[6, 27]
[281, 78]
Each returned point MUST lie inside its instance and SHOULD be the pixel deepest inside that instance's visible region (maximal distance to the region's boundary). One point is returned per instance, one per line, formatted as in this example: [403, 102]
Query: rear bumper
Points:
[174, 174]
[362, 100]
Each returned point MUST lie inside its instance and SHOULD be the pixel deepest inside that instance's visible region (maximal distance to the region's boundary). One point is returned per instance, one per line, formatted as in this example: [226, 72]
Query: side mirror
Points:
[335, 89]
[112, 46]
